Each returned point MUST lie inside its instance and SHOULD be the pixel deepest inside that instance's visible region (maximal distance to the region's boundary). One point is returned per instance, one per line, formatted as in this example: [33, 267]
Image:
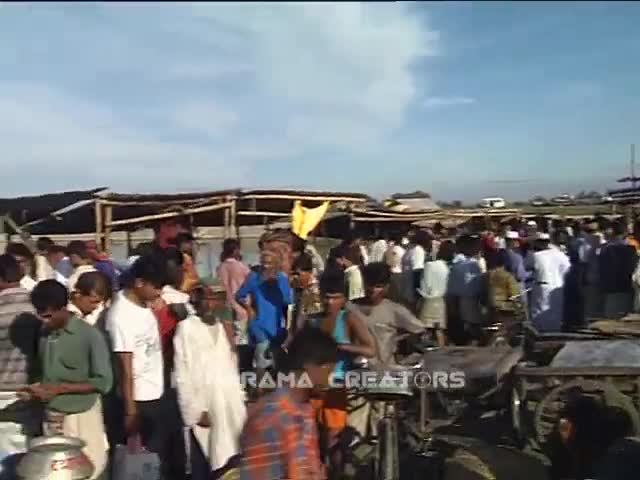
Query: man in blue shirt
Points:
[270, 295]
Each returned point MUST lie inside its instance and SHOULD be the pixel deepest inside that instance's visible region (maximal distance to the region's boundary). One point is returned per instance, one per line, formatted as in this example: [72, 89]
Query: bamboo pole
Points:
[263, 214]
[168, 201]
[234, 219]
[129, 246]
[159, 216]
[107, 230]
[227, 222]
[293, 196]
[99, 223]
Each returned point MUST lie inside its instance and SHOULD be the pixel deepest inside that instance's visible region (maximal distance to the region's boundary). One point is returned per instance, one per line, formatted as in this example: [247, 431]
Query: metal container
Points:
[388, 461]
[55, 458]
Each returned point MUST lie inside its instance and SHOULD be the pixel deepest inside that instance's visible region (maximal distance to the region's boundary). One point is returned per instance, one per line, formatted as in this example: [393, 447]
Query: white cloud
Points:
[60, 141]
[214, 89]
[441, 102]
[207, 118]
[196, 70]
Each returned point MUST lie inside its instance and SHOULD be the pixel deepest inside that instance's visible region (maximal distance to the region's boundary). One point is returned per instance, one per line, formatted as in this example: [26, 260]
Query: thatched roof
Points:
[30, 208]
[176, 198]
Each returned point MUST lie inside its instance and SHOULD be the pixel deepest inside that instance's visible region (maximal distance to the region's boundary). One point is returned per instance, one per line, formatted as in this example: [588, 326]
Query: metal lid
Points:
[56, 442]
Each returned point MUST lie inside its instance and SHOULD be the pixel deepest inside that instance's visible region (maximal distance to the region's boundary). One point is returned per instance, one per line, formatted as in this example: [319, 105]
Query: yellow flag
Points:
[304, 220]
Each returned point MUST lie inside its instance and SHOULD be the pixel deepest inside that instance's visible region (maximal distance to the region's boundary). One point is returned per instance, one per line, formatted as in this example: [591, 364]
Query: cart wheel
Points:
[516, 405]
[548, 410]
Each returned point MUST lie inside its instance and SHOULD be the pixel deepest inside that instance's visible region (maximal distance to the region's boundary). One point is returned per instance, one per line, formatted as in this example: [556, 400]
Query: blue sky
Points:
[461, 99]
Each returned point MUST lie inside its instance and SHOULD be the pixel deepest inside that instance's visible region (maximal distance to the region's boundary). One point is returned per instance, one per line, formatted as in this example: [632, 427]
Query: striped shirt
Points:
[19, 329]
[280, 441]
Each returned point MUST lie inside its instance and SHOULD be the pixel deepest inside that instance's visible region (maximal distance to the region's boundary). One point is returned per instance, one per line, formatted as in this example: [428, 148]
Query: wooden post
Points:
[99, 230]
[234, 219]
[107, 230]
[128, 243]
[227, 221]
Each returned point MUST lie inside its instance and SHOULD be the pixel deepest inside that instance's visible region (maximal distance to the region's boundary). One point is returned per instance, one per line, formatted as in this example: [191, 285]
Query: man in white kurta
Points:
[378, 249]
[210, 393]
[549, 266]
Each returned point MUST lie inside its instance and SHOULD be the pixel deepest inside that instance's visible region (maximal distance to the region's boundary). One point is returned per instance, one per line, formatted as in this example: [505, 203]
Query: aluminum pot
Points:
[55, 458]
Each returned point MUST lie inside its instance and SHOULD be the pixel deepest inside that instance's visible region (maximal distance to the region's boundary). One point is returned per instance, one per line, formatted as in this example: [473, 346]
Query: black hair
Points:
[446, 251]
[304, 263]
[49, 294]
[98, 282]
[349, 237]
[197, 297]
[9, 269]
[619, 228]
[144, 248]
[397, 237]
[79, 248]
[172, 255]
[229, 247]
[44, 244]
[19, 250]
[148, 268]
[496, 259]
[298, 244]
[333, 282]
[53, 249]
[350, 252]
[311, 346]
[423, 238]
[183, 237]
[174, 260]
[376, 273]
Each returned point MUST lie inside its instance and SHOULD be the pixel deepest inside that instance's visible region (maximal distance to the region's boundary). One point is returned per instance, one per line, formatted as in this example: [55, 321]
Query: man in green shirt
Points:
[75, 372]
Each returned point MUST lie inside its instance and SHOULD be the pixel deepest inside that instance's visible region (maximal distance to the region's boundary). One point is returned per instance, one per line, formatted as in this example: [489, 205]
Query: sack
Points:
[130, 464]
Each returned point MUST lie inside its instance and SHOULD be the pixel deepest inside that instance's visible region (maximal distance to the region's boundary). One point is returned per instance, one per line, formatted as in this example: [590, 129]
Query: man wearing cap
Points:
[516, 262]
[549, 267]
[527, 237]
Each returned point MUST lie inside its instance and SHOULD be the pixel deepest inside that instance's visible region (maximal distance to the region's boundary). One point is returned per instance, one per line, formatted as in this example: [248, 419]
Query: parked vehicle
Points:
[493, 202]
[564, 199]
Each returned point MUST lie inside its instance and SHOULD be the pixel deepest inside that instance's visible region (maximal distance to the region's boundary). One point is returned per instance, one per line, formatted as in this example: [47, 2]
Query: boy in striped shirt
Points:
[280, 438]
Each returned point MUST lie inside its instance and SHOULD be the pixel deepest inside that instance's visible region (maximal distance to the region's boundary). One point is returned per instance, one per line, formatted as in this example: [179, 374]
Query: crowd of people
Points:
[148, 353]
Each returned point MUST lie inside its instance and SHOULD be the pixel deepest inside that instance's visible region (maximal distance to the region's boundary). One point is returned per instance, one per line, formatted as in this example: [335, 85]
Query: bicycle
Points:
[500, 334]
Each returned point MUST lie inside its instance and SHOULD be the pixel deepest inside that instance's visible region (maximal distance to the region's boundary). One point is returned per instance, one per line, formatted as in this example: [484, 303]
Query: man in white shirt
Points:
[393, 258]
[135, 339]
[378, 249]
[413, 265]
[44, 271]
[549, 266]
[349, 258]
[212, 400]
[81, 261]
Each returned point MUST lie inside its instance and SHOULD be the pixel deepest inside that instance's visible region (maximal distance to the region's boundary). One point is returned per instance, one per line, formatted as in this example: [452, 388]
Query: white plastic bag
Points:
[132, 463]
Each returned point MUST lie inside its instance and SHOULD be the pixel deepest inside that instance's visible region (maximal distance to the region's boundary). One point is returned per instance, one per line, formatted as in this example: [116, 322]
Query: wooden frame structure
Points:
[126, 211]
[234, 208]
